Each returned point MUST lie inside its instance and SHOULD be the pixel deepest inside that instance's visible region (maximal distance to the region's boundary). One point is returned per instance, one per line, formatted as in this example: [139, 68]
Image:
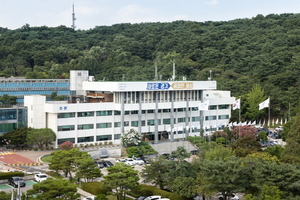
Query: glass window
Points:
[134, 112]
[166, 121]
[117, 112]
[143, 111]
[166, 110]
[104, 113]
[65, 115]
[181, 119]
[150, 122]
[126, 123]
[117, 136]
[117, 124]
[143, 123]
[60, 141]
[207, 118]
[150, 111]
[85, 114]
[8, 114]
[85, 126]
[134, 123]
[66, 128]
[195, 119]
[223, 107]
[103, 125]
[126, 112]
[181, 109]
[85, 139]
[223, 116]
[195, 109]
[103, 137]
[213, 107]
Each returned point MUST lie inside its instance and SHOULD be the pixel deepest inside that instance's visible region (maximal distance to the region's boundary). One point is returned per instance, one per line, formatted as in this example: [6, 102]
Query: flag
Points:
[264, 104]
[281, 122]
[236, 104]
[276, 121]
[204, 105]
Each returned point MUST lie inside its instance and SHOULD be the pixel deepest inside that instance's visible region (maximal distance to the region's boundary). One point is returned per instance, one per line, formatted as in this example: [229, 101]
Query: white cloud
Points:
[212, 2]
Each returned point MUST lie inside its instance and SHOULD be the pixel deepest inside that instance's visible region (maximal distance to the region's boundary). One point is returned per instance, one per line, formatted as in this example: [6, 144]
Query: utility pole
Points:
[73, 19]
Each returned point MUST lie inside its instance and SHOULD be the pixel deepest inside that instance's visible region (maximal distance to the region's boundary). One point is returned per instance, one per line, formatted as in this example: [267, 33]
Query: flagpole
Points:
[269, 107]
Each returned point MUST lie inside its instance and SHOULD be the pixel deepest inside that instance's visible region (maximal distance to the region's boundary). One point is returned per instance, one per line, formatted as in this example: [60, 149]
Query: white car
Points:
[130, 161]
[139, 161]
[90, 198]
[153, 197]
[40, 177]
[121, 160]
[279, 128]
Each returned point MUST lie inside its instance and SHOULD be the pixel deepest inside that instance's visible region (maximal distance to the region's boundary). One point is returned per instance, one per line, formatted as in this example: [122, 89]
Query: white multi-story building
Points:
[102, 111]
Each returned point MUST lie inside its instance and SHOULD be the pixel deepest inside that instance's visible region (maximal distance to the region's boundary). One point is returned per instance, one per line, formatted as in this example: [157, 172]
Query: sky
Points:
[91, 13]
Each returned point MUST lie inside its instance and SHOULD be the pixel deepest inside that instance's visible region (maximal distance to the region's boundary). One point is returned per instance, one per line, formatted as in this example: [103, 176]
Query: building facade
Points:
[13, 117]
[102, 111]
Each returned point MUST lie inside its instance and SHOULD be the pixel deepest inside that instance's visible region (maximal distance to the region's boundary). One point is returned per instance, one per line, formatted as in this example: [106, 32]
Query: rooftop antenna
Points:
[73, 19]
[173, 77]
[210, 78]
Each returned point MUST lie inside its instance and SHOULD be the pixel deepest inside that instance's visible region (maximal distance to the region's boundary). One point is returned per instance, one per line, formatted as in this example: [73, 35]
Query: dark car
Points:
[100, 164]
[195, 152]
[14, 181]
[107, 163]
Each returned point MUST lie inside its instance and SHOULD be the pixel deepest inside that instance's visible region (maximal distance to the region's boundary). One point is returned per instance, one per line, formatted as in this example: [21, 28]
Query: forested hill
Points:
[240, 53]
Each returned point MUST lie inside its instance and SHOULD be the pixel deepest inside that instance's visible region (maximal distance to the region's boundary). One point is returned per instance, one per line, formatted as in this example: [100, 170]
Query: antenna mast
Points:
[73, 19]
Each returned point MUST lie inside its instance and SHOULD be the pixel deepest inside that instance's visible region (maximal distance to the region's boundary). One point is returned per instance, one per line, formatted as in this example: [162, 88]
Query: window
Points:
[166, 121]
[103, 125]
[104, 113]
[134, 123]
[223, 117]
[181, 119]
[117, 136]
[85, 114]
[117, 124]
[65, 115]
[195, 119]
[60, 141]
[207, 118]
[117, 112]
[223, 107]
[126, 123]
[143, 123]
[150, 111]
[195, 109]
[143, 111]
[151, 122]
[213, 107]
[85, 126]
[166, 110]
[85, 139]
[66, 128]
[181, 109]
[103, 137]
[126, 112]
[134, 112]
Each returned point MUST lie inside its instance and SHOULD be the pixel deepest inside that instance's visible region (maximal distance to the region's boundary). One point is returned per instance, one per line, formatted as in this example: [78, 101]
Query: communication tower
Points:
[73, 19]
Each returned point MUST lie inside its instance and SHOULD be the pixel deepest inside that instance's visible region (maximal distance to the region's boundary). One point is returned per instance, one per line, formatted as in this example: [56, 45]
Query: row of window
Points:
[150, 122]
[133, 112]
[99, 138]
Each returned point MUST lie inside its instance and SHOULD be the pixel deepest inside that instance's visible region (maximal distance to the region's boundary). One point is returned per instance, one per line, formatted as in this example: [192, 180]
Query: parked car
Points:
[142, 198]
[153, 197]
[130, 161]
[100, 164]
[195, 152]
[13, 181]
[107, 163]
[139, 161]
[279, 128]
[40, 177]
[90, 198]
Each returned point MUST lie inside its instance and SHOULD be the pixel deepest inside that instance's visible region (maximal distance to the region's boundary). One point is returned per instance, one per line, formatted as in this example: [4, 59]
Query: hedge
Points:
[7, 175]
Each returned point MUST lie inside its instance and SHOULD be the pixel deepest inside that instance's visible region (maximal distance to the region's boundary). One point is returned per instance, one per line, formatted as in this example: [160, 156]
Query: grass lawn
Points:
[46, 159]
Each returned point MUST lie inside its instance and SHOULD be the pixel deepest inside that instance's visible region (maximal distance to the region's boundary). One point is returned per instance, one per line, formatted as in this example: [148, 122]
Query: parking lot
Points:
[29, 185]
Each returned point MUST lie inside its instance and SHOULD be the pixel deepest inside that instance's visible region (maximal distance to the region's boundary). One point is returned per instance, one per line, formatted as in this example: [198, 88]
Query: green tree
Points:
[157, 172]
[262, 136]
[66, 161]
[87, 169]
[18, 136]
[184, 186]
[254, 98]
[219, 153]
[120, 179]
[40, 137]
[246, 145]
[7, 99]
[225, 177]
[59, 189]
[180, 153]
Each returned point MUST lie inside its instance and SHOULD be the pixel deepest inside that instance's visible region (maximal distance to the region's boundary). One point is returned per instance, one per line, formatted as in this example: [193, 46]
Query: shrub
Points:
[133, 151]
[94, 188]
[110, 143]
[105, 143]
[131, 138]
[67, 145]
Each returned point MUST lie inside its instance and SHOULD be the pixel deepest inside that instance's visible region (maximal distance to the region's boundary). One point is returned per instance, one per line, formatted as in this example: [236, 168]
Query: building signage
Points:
[166, 86]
